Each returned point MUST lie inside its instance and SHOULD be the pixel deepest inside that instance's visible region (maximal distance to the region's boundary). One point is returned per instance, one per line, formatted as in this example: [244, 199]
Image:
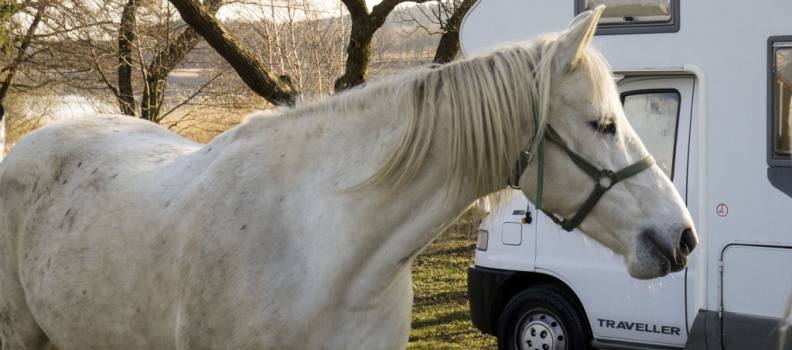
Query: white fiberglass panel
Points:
[756, 280]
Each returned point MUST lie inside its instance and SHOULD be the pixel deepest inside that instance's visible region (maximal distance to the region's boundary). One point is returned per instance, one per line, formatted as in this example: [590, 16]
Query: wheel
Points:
[543, 318]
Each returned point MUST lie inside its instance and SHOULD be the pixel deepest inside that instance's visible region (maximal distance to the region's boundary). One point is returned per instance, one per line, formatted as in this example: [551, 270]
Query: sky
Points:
[331, 3]
[231, 11]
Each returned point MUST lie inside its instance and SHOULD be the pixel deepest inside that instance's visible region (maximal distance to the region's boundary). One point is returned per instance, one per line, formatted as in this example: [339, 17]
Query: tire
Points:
[543, 318]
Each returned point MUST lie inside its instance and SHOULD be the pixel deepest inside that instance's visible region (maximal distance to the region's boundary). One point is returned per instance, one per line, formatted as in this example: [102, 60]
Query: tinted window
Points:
[782, 100]
[653, 115]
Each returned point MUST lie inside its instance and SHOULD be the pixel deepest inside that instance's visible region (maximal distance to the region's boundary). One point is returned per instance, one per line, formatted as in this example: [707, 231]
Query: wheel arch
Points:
[520, 281]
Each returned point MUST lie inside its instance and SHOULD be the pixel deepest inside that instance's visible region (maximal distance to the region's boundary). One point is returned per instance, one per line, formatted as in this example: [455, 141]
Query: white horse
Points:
[297, 231]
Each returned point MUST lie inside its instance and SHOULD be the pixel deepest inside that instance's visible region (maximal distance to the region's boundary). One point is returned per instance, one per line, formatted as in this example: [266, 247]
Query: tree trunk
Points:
[448, 47]
[126, 36]
[364, 25]
[358, 56]
[276, 90]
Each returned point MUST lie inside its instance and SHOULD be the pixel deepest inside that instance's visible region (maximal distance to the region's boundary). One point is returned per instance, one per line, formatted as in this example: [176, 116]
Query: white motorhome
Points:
[707, 85]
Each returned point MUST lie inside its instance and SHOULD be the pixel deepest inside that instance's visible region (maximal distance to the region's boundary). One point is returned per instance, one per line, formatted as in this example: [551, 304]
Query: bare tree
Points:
[151, 42]
[297, 38]
[7, 10]
[277, 90]
[125, 50]
[132, 56]
[364, 25]
[30, 88]
[172, 44]
[126, 37]
[449, 47]
[439, 17]
[16, 43]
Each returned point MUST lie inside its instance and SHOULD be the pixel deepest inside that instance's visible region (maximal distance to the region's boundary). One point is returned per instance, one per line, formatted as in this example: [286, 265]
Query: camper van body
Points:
[720, 64]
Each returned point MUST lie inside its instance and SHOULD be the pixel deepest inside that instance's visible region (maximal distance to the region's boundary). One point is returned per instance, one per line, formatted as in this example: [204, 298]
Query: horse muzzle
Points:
[658, 257]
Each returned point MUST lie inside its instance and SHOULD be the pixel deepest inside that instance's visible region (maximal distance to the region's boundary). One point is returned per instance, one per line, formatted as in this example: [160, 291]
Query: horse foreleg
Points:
[19, 329]
[21, 332]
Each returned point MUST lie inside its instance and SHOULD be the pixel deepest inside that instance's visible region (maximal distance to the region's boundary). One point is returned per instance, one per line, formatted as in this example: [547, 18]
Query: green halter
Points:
[595, 173]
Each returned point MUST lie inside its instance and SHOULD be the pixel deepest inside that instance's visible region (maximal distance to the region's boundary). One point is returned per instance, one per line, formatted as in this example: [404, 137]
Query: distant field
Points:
[441, 316]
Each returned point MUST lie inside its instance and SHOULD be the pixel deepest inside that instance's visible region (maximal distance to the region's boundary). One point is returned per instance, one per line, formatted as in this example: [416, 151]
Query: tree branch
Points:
[191, 97]
[102, 74]
[381, 11]
[21, 53]
[356, 8]
[164, 61]
[276, 90]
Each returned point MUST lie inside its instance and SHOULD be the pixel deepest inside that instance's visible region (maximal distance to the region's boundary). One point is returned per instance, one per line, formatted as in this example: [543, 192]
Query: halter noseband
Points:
[604, 179]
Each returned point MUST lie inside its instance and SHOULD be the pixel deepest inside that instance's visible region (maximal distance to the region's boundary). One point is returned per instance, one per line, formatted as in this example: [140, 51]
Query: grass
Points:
[441, 315]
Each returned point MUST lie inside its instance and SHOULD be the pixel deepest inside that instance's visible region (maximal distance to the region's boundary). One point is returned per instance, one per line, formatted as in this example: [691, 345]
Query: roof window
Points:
[634, 16]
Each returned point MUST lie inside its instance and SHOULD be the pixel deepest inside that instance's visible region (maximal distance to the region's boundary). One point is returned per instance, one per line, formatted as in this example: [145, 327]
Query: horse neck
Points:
[339, 144]
[394, 225]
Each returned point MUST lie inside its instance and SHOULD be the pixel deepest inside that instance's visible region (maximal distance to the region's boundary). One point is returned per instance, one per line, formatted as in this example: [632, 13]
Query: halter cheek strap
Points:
[604, 179]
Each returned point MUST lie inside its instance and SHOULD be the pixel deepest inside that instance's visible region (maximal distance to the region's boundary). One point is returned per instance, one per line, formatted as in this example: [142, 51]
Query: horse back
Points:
[92, 150]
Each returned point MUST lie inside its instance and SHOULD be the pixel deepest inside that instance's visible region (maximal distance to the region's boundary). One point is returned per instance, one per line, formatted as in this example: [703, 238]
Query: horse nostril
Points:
[687, 242]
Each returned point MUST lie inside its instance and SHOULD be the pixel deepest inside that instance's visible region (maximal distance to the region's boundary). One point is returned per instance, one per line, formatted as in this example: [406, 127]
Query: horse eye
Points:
[609, 128]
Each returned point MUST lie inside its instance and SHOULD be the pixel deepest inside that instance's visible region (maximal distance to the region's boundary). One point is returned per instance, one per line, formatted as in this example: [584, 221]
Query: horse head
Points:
[588, 143]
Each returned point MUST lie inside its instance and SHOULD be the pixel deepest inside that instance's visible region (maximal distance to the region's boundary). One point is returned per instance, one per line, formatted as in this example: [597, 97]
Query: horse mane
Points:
[489, 98]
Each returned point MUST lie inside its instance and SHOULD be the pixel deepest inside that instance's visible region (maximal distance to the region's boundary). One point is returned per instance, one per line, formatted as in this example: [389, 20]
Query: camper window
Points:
[782, 100]
[654, 115]
[634, 16]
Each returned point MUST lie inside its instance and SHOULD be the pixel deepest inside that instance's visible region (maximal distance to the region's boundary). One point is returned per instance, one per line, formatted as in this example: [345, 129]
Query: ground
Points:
[441, 313]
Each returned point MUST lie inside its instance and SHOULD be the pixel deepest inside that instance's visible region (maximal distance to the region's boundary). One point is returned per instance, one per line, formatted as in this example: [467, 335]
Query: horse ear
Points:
[577, 38]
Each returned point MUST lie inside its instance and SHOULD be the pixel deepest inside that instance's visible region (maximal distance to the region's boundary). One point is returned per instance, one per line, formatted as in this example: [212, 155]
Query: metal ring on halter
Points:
[610, 175]
[522, 163]
[527, 154]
